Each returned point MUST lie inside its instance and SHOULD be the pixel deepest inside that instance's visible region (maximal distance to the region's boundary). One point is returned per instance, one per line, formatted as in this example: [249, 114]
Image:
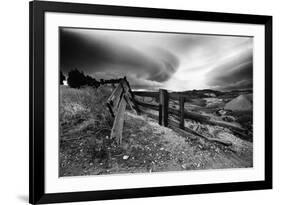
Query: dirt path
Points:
[149, 147]
[172, 151]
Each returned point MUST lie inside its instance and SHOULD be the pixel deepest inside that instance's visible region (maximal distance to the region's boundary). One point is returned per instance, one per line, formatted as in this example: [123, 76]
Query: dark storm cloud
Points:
[236, 73]
[135, 81]
[76, 52]
[95, 54]
[240, 85]
[152, 60]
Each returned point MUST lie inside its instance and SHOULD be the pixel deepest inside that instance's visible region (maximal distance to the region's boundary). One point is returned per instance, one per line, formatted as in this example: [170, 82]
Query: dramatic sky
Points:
[153, 60]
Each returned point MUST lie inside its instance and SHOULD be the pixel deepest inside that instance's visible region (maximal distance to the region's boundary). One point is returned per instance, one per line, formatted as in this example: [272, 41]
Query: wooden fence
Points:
[175, 118]
[121, 97]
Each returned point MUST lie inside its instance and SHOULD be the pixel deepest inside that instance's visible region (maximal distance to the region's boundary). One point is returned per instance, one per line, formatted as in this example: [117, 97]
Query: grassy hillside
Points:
[86, 149]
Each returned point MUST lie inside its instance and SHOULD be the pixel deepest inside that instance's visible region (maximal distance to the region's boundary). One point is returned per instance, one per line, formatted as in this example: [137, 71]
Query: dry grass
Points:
[78, 105]
[85, 124]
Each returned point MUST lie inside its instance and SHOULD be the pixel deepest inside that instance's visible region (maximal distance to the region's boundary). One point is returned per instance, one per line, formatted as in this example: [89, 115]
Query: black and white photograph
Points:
[135, 102]
[149, 101]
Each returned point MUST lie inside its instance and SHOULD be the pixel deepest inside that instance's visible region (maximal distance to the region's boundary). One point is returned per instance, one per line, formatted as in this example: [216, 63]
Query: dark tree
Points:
[77, 79]
[91, 81]
[62, 78]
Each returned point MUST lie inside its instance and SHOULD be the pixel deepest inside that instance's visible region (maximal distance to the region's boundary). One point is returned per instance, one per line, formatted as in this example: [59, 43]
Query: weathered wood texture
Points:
[117, 129]
[114, 99]
[148, 105]
[164, 102]
[116, 103]
[147, 94]
[181, 114]
[129, 101]
[132, 96]
[181, 100]
[160, 114]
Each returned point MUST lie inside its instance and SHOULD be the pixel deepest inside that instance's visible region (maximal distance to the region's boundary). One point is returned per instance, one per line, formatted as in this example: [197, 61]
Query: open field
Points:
[86, 148]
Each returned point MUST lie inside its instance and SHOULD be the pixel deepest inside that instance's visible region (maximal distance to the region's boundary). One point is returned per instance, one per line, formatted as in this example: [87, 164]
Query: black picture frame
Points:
[37, 194]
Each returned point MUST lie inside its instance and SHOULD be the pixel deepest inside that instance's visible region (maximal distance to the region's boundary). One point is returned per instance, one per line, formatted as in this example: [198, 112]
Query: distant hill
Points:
[240, 103]
[201, 93]
[213, 93]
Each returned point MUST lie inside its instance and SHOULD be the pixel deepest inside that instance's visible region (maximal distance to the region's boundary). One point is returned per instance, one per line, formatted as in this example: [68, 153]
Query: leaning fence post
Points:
[181, 103]
[117, 128]
[164, 102]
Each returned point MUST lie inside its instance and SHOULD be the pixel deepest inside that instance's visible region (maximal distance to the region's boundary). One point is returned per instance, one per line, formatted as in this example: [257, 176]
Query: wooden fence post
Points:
[160, 115]
[164, 102]
[132, 96]
[117, 129]
[181, 103]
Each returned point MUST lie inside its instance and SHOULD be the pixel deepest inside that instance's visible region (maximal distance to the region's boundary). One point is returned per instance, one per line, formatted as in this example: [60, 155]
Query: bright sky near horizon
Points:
[153, 60]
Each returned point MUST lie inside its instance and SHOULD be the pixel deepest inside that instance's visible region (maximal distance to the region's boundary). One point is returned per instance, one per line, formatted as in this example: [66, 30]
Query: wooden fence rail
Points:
[164, 111]
[122, 96]
[148, 105]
